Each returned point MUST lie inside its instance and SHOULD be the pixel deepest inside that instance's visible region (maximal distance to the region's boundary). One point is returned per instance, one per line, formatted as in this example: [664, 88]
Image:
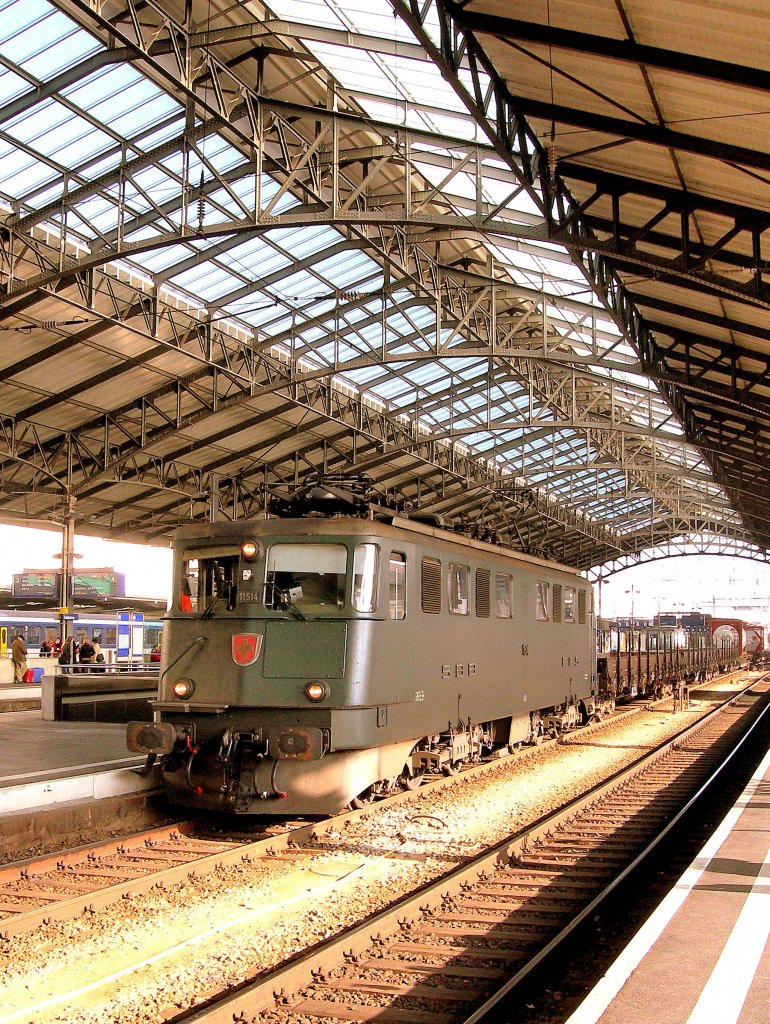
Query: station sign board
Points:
[85, 583]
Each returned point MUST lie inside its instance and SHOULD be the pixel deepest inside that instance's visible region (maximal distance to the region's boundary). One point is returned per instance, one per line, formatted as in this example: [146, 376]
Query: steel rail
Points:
[311, 970]
[60, 870]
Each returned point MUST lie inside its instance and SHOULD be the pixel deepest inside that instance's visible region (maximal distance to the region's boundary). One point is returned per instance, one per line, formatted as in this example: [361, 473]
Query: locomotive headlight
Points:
[183, 688]
[316, 692]
[249, 550]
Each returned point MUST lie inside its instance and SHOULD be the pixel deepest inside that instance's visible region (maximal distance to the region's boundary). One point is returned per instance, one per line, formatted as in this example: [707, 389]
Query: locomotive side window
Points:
[430, 585]
[397, 586]
[188, 596]
[366, 565]
[569, 604]
[305, 576]
[458, 589]
[503, 596]
[482, 593]
[208, 579]
[541, 598]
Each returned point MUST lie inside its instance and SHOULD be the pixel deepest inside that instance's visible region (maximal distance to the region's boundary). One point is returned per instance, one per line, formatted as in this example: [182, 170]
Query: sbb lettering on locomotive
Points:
[458, 671]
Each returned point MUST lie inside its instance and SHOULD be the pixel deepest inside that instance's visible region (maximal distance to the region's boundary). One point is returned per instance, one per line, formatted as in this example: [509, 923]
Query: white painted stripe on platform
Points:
[98, 786]
[600, 997]
[53, 773]
[725, 992]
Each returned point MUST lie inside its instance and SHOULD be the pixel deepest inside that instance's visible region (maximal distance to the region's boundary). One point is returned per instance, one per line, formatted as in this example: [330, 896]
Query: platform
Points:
[703, 956]
[20, 696]
[48, 763]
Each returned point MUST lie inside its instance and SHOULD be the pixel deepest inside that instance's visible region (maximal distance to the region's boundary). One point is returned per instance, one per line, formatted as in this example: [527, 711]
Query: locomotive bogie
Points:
[344, 656]
[290, 787]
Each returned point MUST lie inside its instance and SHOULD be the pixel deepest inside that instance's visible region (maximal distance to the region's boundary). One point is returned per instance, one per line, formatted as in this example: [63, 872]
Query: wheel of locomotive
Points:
[451, 768]
[410, 779]
[363, 799]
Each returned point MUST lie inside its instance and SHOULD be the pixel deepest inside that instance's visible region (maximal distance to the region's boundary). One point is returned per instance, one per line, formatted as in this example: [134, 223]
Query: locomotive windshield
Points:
[306, 577]
[208, 582]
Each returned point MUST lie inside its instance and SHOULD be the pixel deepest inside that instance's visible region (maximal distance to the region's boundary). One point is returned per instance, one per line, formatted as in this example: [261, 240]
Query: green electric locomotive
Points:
[315, 661]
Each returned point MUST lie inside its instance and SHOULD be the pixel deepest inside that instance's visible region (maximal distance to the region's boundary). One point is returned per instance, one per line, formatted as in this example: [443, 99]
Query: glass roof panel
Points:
[11, 85]
[41, 40]
[307, 287]
[121, 98]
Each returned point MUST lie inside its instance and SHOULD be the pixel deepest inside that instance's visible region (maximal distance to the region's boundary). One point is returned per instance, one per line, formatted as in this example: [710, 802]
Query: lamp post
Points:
[66, 572]
[631, 640]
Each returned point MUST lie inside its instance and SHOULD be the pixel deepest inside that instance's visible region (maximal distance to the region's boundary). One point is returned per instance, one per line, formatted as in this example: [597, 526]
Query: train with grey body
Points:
[314, 661]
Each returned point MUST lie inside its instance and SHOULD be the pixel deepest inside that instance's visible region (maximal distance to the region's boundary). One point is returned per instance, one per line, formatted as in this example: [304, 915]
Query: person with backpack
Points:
[98, 658]
[87, 652]
[69, 653]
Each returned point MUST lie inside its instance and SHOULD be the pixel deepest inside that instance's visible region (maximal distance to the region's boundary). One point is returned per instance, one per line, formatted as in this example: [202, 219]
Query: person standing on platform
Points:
[87, 652]
[69, 653]
[19, 657]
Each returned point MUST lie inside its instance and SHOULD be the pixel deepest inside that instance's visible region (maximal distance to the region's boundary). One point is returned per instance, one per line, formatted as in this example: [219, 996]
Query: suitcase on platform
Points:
[29, 676]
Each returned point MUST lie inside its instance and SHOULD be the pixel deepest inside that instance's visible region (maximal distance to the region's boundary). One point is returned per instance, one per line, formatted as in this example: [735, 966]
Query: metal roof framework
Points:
[427, 243]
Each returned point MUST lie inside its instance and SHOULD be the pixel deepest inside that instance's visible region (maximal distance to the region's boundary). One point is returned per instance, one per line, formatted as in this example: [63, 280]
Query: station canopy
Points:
[507, 261]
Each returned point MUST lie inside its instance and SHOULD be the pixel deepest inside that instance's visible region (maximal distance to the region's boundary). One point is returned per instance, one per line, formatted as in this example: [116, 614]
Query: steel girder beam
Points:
[502, 117]
[669, 220]
[148, 423]
[228, 369]
[282, 139]
[86, 456]
[421, 488]
[476, 320]
[129, 224]
[627, 50]
[208, 186]
[689, 544]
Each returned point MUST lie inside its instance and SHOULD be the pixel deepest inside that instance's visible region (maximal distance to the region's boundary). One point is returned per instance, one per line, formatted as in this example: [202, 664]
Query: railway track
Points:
[450, 953]
[64, 885]
[69, 883]
[61, 886]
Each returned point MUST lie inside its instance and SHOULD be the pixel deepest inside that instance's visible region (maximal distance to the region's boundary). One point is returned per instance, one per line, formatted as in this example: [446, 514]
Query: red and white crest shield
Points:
[246, 648]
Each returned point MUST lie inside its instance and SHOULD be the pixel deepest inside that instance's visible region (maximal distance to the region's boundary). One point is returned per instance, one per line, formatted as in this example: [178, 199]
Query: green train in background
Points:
[317, 658]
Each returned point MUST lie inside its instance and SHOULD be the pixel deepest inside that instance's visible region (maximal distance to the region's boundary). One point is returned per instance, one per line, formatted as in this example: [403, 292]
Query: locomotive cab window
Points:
[569, 604]
[366, 572]
[306, 577]
[542, 601]
[458, 589]
[208, 584]
[397, 585]
[503, 595]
